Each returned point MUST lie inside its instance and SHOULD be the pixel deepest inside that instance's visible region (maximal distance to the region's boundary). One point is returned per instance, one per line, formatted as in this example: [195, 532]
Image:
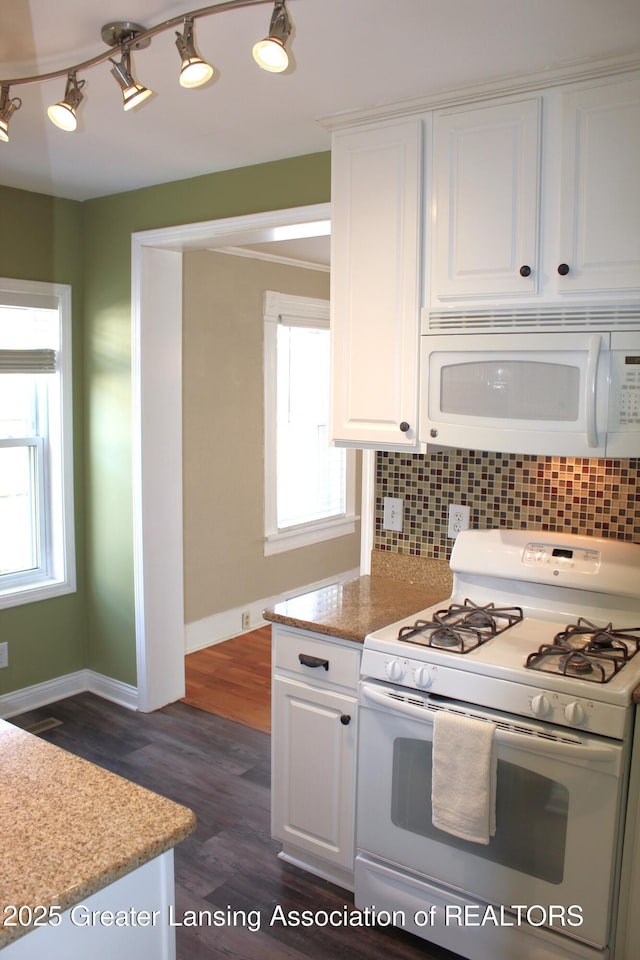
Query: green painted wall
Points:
[41, 239]
[108, 225]
[89, 246]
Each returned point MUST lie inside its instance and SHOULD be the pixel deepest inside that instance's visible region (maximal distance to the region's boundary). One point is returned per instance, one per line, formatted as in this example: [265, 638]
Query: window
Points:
[36, 482]
[309, 485]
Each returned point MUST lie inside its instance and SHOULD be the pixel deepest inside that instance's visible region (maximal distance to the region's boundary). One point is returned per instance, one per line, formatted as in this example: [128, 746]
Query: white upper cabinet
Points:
[537, 200]
[375, 284]
[600, 198]
[486, 174]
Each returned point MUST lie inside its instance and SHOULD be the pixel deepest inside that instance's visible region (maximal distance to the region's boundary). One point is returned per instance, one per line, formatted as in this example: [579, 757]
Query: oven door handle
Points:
[533, 742]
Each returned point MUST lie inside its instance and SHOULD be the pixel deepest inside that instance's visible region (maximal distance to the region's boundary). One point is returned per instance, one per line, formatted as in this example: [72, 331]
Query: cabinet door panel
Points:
[313, 766]
[375, 284]
[486, 207]
[600, 207]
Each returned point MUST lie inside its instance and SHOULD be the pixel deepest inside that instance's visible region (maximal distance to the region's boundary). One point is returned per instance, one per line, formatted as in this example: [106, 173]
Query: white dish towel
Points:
[463, 785]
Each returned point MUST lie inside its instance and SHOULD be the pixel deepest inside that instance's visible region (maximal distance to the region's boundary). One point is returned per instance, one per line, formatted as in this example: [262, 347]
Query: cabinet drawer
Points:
[319, 661]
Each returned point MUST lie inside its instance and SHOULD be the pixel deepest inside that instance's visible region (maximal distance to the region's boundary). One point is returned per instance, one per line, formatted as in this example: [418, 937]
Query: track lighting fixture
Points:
[194, 71]
[133, 93]
[7, 108]
[269, 53]
[63, 113]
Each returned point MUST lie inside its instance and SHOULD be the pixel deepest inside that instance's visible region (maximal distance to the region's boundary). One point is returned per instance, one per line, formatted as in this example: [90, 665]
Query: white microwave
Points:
[556, 394]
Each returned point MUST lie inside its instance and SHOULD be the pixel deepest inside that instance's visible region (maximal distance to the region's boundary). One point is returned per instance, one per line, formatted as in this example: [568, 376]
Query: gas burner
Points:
[590, 638]
[461, 627]
[486, 618]
[586, 651]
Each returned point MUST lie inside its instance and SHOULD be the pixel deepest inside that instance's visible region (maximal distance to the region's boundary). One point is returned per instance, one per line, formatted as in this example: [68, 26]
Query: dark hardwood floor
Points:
[220, 769]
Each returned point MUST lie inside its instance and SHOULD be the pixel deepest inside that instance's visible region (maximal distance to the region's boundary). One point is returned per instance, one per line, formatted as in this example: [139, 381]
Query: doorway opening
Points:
[157, 292]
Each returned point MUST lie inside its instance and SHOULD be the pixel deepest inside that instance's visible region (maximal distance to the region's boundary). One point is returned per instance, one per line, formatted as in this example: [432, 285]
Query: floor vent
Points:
[41, 726]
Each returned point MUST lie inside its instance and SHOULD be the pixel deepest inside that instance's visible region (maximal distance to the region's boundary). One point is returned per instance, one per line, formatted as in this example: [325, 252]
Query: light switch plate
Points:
[4, 654]
[392, 514]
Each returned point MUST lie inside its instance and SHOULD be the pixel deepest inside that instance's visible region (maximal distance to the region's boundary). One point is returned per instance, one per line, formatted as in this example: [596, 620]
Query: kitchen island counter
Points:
[353, 609]
[71, 829]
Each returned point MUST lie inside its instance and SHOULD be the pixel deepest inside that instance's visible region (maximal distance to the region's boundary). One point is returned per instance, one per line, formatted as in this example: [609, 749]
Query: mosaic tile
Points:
[599, 498]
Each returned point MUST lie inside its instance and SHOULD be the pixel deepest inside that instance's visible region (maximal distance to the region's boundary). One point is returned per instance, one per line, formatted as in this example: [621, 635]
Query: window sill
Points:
[308, 534]
[42, 589]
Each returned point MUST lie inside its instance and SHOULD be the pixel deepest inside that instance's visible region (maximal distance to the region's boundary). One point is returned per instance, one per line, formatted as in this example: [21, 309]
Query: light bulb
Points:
[271, 55]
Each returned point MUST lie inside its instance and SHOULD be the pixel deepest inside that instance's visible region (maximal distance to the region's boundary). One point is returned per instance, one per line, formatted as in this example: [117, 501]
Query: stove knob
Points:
[395, 670]
[423, 678]
[540, 705]
[574, 713]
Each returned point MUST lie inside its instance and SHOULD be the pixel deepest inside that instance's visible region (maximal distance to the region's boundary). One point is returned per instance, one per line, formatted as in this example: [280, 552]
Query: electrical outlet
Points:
[4, 654]
[246, 620]
[392, 514]
[458, 519]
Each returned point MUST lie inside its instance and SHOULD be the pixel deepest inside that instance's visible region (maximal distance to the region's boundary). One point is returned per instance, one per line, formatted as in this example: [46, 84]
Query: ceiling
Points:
[346, 55]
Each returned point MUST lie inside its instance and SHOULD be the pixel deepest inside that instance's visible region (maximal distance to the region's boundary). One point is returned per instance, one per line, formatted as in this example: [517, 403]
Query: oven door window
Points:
[531, 812]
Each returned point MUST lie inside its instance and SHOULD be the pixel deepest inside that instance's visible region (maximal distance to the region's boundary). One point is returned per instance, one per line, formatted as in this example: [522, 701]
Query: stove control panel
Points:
[409, 673]
[559, 708]
[563, 709]
[562, 558]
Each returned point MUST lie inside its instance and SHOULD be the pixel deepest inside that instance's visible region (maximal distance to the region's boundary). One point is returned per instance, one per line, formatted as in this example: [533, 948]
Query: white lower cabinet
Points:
[313, 736]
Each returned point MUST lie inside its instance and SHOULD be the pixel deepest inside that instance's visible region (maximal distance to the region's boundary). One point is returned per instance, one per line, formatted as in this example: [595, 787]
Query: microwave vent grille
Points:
[612, 317]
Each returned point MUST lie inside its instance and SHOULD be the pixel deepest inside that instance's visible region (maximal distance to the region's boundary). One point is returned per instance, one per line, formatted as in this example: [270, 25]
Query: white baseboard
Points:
[222, 626]
[200, 634]
[114, 690]
[82, 681]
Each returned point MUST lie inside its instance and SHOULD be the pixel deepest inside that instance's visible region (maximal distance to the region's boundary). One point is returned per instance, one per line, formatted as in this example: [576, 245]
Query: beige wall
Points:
[223, 438]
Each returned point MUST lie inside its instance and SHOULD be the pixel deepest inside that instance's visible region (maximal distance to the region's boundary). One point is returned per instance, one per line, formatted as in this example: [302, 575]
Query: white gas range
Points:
[515, 592]
[540, 639]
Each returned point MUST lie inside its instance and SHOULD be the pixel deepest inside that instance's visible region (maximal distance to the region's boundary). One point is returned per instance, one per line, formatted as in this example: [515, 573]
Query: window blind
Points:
[28, 361]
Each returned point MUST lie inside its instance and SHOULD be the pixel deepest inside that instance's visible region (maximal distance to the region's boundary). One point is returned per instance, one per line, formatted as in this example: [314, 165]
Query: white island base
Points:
[130, 919]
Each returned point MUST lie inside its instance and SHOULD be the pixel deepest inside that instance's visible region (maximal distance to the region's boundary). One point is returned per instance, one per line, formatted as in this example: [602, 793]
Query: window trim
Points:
[59, 577]
[286, 307]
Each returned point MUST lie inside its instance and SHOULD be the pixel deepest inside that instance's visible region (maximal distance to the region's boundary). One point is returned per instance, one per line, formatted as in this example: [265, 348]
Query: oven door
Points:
[557, 809]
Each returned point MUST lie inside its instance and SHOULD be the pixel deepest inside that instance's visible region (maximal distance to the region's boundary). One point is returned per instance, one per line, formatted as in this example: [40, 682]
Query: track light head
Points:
[125, 36]
[133, 93]
[194, 71]
[63, 113]
[270, 53]
[7, 109]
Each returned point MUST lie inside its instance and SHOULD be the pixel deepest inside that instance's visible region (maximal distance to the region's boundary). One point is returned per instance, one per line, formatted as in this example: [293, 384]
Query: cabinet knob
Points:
[345, 719]
[525, 271]
[433, 432]
[563, 269]
[405, 427]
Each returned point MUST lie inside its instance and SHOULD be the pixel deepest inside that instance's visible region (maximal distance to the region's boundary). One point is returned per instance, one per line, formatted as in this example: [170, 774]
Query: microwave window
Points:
[511, 390]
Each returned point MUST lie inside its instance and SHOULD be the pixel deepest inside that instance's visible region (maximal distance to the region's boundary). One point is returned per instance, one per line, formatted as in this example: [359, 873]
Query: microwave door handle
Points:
[590, 390]
[534, 742]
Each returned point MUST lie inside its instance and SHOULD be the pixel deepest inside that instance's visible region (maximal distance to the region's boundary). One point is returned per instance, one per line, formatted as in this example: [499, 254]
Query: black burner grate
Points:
[587, 651]
[461, 627]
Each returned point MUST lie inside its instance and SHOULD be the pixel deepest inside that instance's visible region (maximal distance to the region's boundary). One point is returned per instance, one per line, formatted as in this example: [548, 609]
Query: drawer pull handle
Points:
[345, 719]
[308, 661]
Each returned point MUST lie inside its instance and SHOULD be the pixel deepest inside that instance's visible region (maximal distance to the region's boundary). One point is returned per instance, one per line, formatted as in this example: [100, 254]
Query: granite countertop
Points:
[70, 827]
[353, 609]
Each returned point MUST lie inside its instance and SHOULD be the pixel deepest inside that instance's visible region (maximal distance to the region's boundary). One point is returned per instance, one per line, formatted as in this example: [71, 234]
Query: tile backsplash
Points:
[563, 494]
